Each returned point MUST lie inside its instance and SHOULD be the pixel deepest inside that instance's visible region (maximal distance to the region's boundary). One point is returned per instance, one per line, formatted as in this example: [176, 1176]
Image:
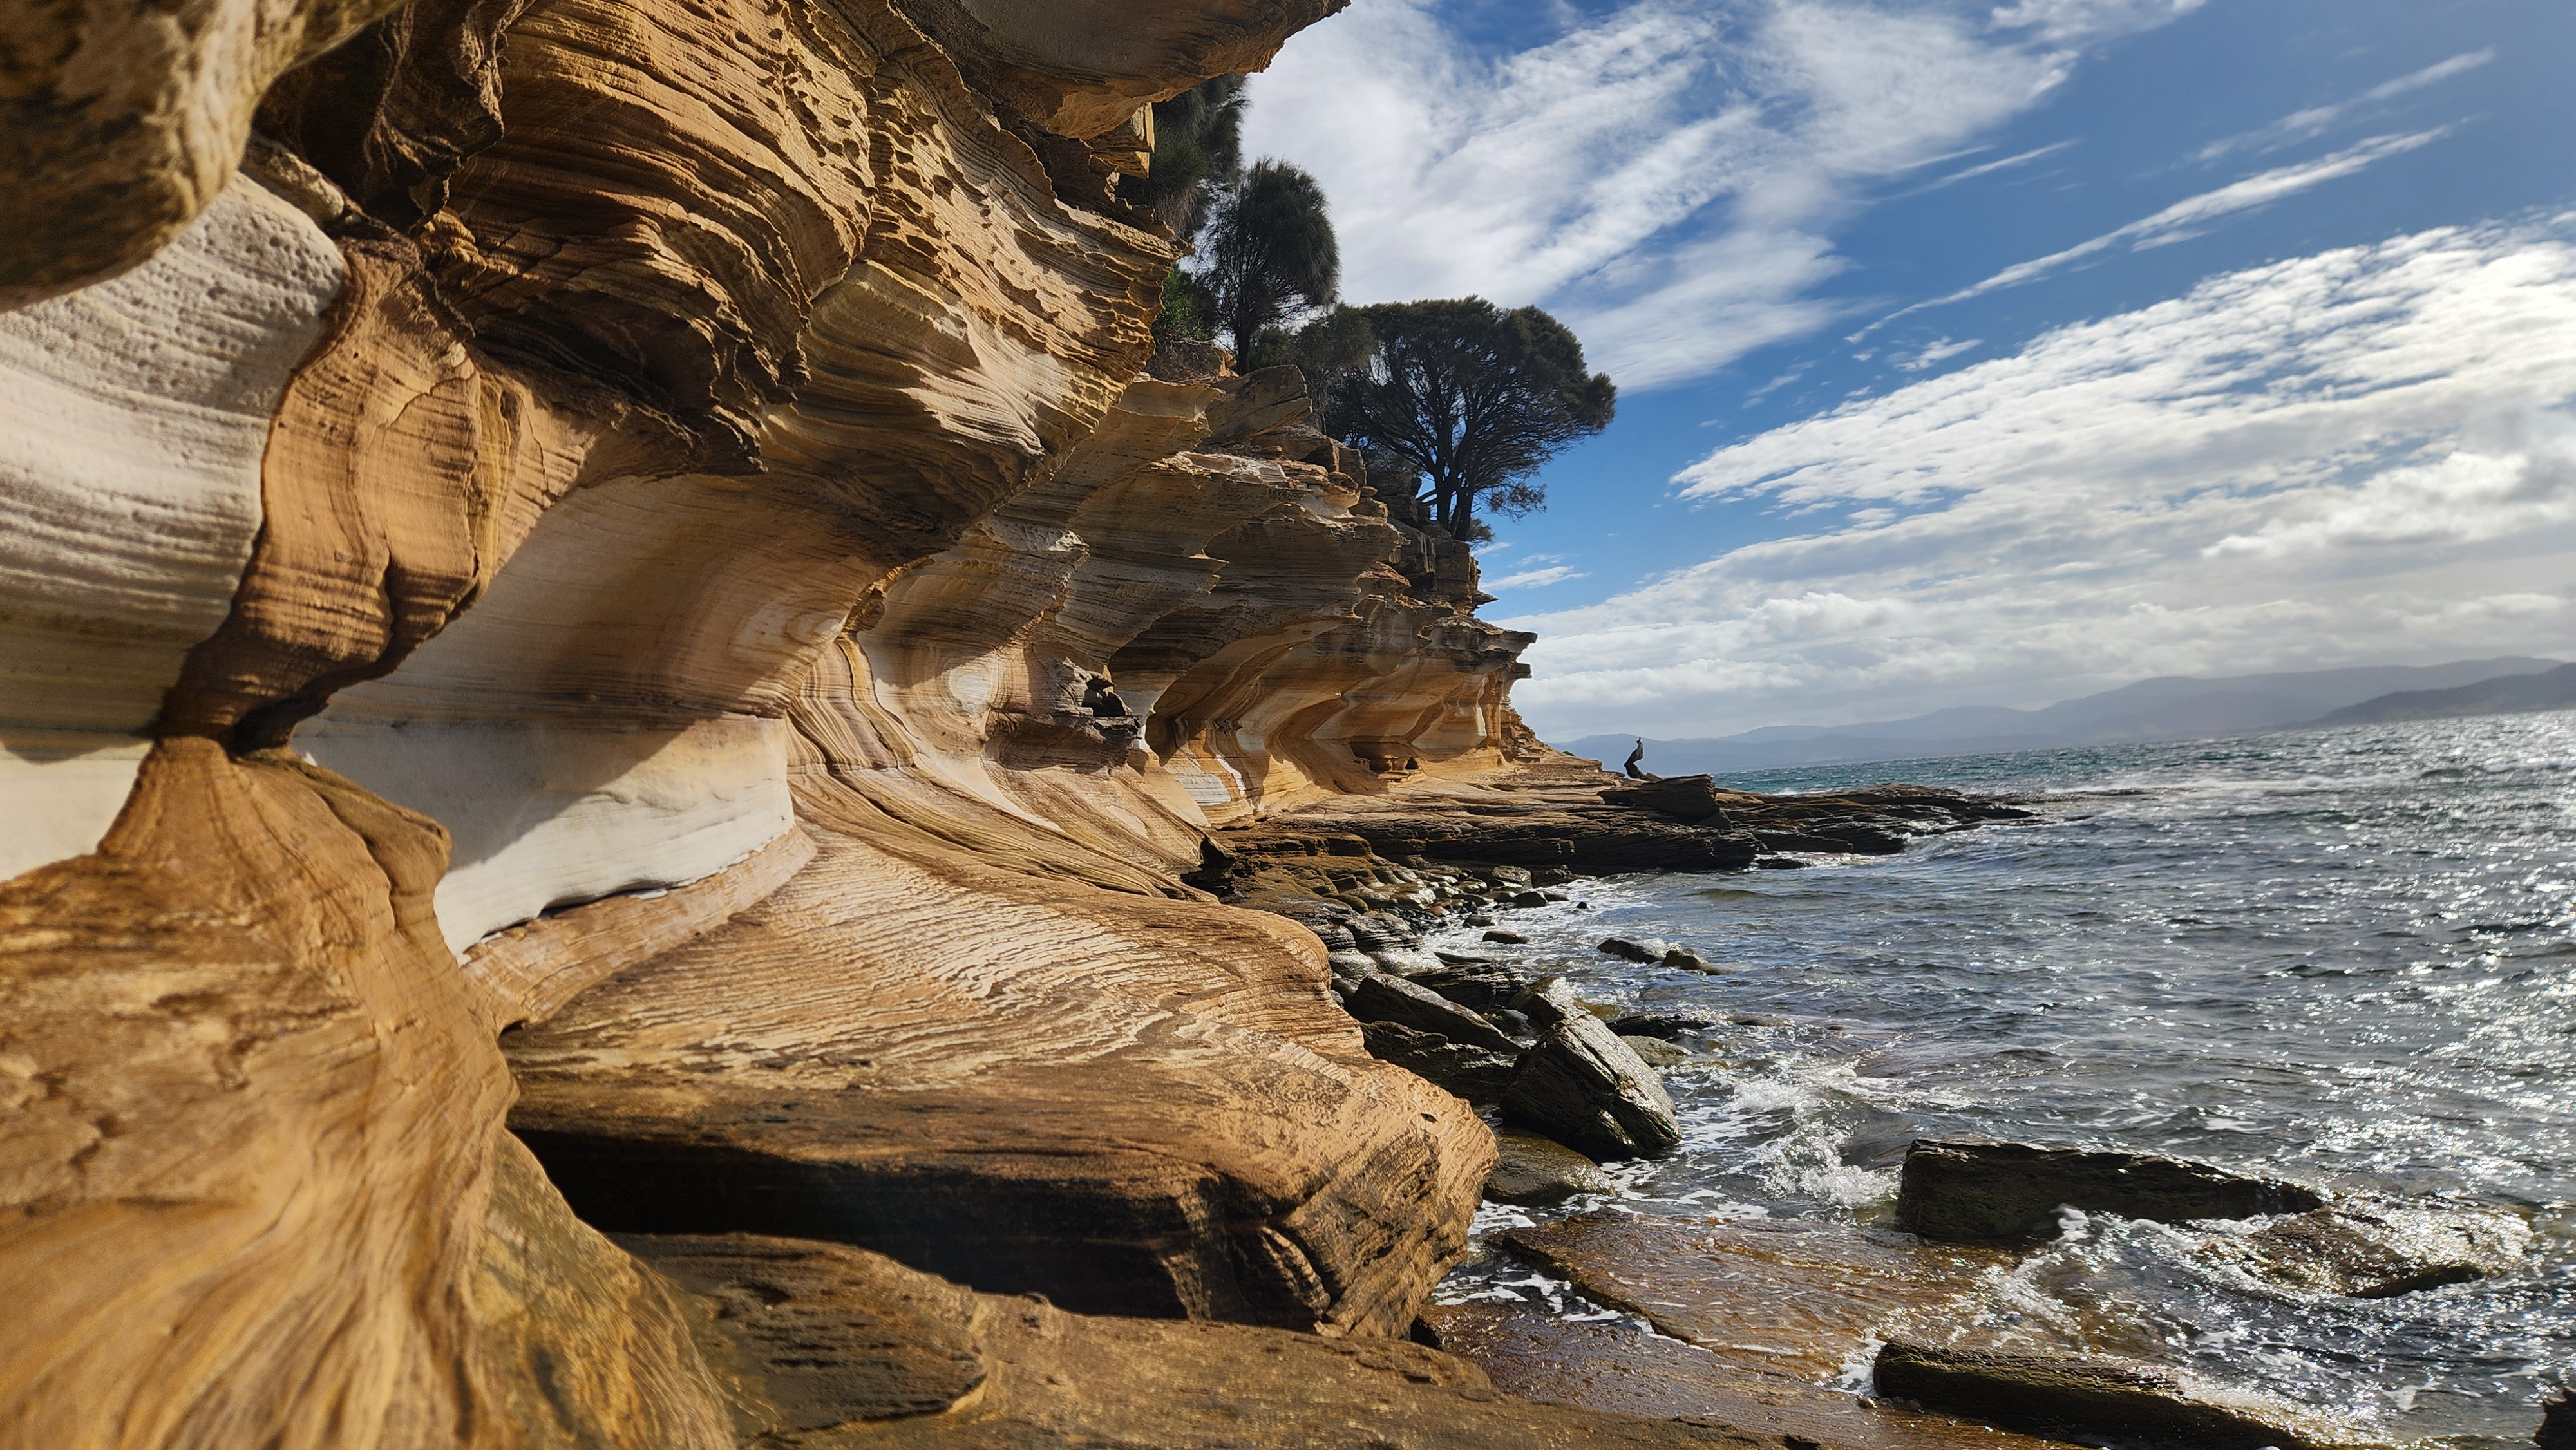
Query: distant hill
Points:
[2174, 707]
[2512, 694]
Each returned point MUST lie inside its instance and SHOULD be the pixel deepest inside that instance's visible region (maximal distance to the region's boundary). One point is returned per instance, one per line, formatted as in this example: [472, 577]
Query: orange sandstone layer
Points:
[602, 521]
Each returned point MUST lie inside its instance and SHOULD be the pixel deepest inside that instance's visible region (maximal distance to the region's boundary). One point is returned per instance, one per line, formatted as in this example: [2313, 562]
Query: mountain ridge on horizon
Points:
[2167, 707]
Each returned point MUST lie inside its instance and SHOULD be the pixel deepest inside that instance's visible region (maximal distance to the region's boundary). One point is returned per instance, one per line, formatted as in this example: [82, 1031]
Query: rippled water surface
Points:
[2347, 955]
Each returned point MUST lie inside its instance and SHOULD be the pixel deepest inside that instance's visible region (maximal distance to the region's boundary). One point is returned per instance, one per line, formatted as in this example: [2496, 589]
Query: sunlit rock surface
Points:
[596, 561]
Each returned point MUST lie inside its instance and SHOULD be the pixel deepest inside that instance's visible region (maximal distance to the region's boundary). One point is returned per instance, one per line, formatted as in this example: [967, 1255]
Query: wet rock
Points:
[1529, 898]
[1463, 959]
[820, 1342]
[1507, 938]
[1689, 961]
[1780, 863]
[1859, 838]
[2107, 1399]
[1582, 1086]
[1513, 876]
[2379, 1252]
[1604, 1365]
[1476, 988]
[1393, 999]
[1548, 1001]
[1533, 1172]
[1667, 1025]
[1478, 1074]
[1634, 951]
[1654, 1051]
[1968, 1190]
[1792, 1298]
[2557, 1423]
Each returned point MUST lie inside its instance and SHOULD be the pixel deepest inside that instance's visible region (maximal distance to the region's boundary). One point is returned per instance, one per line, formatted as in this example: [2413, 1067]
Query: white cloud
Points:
[2368, 455]
[1665, 177]
[2082, 20]
[1533, 578]
[2182, 220]
[2317, 120]
[1935, 353]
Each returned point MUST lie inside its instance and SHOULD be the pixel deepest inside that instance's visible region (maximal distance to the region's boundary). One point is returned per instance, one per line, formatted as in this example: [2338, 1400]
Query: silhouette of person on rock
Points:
[1636, 758]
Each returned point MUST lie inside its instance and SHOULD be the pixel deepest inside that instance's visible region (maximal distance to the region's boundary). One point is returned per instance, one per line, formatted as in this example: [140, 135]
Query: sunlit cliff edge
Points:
[592, 529]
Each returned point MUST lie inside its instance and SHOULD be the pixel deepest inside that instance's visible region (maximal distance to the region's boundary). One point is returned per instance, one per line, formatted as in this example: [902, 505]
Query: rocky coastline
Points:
[670, 787]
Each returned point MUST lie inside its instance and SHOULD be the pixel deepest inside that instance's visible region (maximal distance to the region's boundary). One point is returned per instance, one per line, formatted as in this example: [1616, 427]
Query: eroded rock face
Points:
[616, 522]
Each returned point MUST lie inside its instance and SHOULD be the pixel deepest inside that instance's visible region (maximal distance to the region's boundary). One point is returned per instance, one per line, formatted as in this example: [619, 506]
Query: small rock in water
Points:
[1533, 1172]
[2097, 1400]
[1666, 1025]
[1480, 919]
[1463, 959]
[1474, 1073]
[1634, 951]
[1393, 999]
[1978, 1190]
[1587, 1089]
[2380, 1252]
[1529, 898]
[1780, 863]
[1655, 1051]
[1507, 938]
[1689, 960]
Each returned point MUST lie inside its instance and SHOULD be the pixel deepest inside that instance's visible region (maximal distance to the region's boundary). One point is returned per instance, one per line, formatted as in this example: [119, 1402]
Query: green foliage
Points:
[1270, 252]
[1198, 153]
[1188, 310]
[1472, 399]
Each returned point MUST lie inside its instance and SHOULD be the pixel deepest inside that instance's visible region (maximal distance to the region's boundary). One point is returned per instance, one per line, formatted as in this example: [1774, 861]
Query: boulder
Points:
[1533, 1172]
[1476, 1074]
[2379, 1252]
[1507, 938]
[1667, 1025]
[1621, 947]
[1476, 988]
[2121, 1401]
[1654, 1051]
[1548, 1001]
[1693, 798]
[1393, 999]
[1529, 898]
[1583, 1086]
[1969, 1190]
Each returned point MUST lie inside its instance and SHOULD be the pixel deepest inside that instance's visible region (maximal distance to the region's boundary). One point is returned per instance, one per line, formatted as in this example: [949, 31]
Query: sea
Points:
[2345, 956]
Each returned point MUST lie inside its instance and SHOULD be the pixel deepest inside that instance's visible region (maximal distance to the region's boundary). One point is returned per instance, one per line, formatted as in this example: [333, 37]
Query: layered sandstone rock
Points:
[605, 535]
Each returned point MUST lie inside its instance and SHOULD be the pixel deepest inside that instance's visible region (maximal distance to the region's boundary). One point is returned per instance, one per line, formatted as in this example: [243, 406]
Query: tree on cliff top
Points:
[1270, 252]
[1198, 152]
[1474, 397]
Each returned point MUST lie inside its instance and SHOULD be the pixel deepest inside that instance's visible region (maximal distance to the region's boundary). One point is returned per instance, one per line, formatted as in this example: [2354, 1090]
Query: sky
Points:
[1989, 354]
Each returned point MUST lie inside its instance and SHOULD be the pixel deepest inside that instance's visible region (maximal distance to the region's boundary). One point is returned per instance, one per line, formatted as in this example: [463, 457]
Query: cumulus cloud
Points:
[2364, 455]
[1666, 176]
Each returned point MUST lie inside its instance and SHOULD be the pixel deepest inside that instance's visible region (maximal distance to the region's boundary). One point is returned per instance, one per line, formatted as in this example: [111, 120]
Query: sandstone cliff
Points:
[561, 559]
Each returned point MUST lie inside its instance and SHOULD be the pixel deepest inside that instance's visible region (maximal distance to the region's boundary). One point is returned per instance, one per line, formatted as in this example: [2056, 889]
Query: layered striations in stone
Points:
[647, 530]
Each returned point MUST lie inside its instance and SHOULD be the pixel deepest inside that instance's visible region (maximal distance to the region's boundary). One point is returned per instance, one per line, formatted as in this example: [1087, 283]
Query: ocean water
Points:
[2347, 956]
